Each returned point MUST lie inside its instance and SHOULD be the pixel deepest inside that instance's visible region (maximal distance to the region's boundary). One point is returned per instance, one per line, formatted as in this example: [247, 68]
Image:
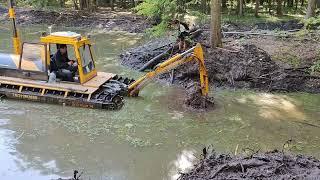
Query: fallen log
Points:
[158, 58]
[196, 33]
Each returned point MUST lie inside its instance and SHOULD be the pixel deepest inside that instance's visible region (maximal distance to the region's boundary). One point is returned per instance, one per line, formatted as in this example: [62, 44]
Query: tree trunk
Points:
[231, 5]
[270, 6]
[123, 4]
[240, 6]
[203, 6]
[216, 35]
[62, 3]
[112, 5]
[75, 4]
[94, 2]
[88, 4]
[93, 6]
[290, 3]
[311, 12]
[266, 5]
[83, 4]
[279, 8]
[302, 3]
[297, 2]
[224, 5]
[256, 12]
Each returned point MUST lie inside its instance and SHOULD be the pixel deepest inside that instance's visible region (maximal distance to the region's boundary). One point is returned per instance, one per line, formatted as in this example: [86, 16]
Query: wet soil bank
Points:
[103, 19]
[282, 26]
[281, 62]
[269, 165]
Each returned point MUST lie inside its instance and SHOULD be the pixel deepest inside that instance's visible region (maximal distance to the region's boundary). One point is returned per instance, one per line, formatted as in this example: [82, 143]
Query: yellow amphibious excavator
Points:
[25, 74]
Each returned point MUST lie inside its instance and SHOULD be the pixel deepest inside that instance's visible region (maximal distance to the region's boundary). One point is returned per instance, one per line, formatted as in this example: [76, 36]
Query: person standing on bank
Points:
[184, 31]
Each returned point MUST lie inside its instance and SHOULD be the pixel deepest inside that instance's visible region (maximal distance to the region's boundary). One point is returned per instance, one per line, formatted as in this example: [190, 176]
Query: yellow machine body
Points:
[25, 75]
[15, 39]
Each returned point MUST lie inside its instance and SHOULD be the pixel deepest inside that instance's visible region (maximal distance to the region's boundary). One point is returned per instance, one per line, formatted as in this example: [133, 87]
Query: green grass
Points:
[248, 18]
[315, 68]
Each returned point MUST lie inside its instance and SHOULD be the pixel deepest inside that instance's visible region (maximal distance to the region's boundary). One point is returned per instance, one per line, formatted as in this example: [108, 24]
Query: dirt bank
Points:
[282, 26]
[268, 63]
[102, 19]
[270, 165]
[2, 10]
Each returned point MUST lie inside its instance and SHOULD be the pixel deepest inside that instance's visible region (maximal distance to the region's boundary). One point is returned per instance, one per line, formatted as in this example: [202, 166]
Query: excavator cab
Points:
[79, 49]
[36, 60]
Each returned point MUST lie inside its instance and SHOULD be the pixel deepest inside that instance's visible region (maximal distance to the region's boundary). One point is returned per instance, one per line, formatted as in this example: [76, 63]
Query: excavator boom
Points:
[193, 54]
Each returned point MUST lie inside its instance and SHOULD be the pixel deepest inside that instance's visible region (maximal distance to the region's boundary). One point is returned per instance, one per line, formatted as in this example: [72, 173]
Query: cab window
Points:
[87, 60]
[33, 57]
[63, 73]
[70, 50]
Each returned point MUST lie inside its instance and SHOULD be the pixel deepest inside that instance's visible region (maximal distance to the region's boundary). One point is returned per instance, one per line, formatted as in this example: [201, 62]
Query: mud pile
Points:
[283, 26]
[229, 26]
[247, 66]
[2, 10]
[195, 100]
[102, 19]
[136, 57]
[270, 165]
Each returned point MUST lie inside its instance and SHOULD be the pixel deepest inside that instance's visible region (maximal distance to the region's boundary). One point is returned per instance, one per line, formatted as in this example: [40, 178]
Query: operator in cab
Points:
[65, 67]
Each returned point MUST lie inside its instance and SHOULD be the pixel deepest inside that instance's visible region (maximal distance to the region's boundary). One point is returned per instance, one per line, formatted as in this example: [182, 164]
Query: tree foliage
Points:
[164, 9]
[160, 11]
[39, 3]
[312, 23]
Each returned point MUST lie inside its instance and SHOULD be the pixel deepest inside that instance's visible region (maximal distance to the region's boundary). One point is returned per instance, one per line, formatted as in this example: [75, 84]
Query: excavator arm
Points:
[193, 54]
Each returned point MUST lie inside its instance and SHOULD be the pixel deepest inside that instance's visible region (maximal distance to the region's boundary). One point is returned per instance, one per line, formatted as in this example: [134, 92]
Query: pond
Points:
[152, 136]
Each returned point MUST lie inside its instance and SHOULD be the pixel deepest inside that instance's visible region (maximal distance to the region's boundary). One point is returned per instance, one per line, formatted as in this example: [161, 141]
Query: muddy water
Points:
[153, 136]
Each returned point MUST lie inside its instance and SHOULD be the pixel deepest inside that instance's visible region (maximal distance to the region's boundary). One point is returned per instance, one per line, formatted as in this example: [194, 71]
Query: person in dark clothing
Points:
[184, 31]
[66, 68]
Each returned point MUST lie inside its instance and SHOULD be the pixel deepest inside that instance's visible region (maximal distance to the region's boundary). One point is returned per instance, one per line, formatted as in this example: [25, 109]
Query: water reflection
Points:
[12, 166]
[184, 162]
[275, 107]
